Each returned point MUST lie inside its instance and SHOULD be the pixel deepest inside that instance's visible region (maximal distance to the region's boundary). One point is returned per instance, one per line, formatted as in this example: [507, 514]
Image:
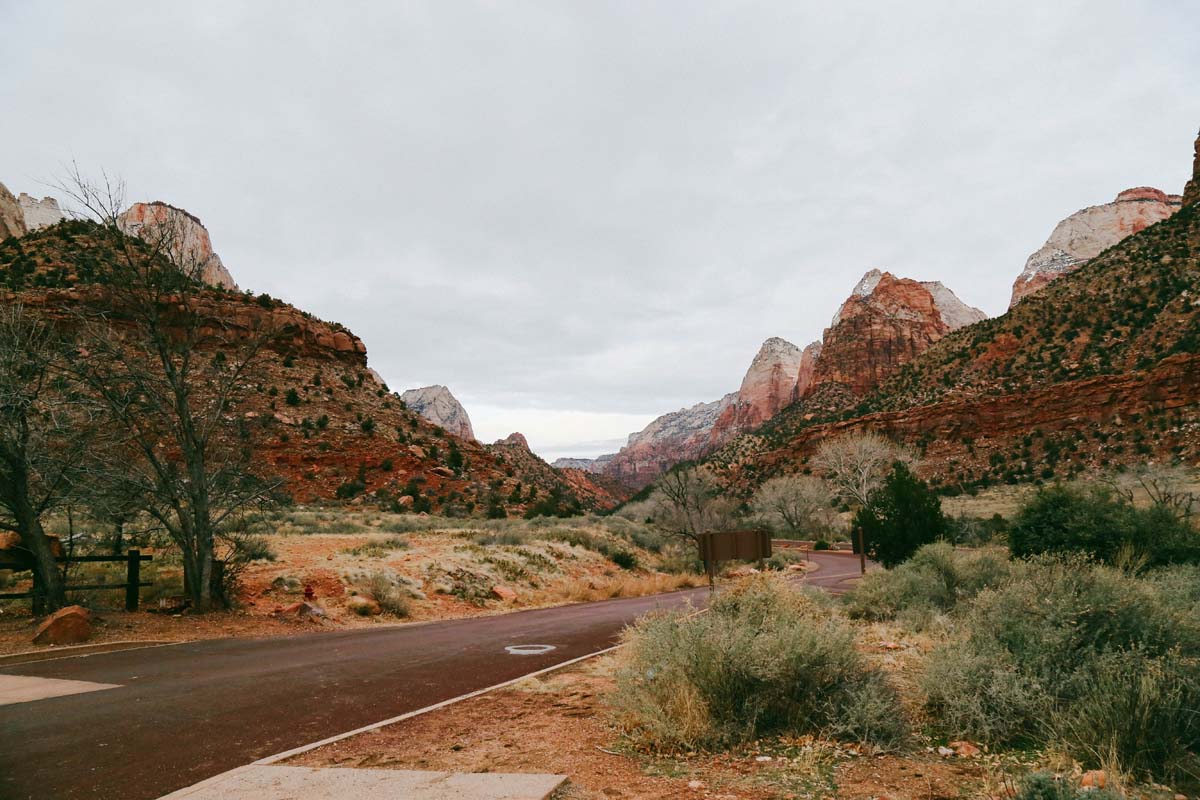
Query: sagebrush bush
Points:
[764, 660]
[1087, 658]
[936, 579]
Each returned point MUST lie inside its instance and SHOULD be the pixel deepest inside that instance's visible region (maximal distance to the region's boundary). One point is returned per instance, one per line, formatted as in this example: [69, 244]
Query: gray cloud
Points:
[604, 207]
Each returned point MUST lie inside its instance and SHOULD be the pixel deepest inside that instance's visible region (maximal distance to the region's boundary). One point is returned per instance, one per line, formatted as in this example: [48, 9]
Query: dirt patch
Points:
[557, 724]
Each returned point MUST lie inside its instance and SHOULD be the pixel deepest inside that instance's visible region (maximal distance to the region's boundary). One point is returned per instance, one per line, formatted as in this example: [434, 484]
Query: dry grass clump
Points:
[765, 660]
[608, 587]
[393, 592]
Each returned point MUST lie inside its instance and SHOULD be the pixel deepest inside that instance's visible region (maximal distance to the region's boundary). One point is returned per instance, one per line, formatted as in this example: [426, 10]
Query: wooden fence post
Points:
[133, 578]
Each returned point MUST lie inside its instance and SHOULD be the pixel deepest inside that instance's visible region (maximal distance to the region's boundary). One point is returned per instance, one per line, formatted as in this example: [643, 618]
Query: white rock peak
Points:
[40, 213]
[436, 404]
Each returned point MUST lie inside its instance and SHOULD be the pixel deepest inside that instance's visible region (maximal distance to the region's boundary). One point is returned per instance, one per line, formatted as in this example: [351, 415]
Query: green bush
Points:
[624, 559]
[901, 516]
[765, 660]
[1044, 786]
[1096, 661]
[1095, 521]
[936, 579]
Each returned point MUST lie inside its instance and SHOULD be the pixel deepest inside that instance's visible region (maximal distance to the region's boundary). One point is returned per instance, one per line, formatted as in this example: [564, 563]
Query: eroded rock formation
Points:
[436, 404]
[885, 323]
[183, 234]
[808, 366]
[12, 221]
[40, 213]
[1087, 233]
[669, 439]
[1191, 192]
[768, 386]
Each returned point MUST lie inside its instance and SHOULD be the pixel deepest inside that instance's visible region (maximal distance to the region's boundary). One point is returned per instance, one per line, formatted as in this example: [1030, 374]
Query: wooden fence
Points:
[133, 570]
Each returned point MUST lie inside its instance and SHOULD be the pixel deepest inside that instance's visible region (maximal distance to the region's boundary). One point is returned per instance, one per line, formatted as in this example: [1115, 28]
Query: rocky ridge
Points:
[187, 237]
[12, 221]
[884, 323]
[1089, 232]
[317, 416]
[438, 405]
[1099, 368]
[40, 213]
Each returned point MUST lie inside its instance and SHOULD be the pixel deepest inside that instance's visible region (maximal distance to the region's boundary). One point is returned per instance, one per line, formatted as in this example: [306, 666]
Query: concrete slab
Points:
[338, 783]
[25, 688]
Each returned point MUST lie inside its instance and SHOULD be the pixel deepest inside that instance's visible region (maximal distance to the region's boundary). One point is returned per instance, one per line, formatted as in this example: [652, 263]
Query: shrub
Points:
[624, 559]
[1095, 521]
[393, 592]
[901, 516]
[292, 398]
[1094, 660]
[936, 579]
[1044, 786]
[764, 660]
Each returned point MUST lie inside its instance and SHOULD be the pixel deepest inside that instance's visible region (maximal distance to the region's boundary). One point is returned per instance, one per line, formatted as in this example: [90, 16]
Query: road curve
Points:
[188, 712]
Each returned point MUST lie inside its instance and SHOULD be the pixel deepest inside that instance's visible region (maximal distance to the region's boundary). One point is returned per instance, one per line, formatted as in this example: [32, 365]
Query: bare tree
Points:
[855, 465]
[44, 435]
[796, 503]
[171, 370]
[1167, 487]
[688, 503]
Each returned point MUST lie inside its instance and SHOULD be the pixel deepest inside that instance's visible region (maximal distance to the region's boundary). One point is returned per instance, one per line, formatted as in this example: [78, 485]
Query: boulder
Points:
[504, 593]
[70, 625]
[1094, 779]
[964, 749]
[303, 610]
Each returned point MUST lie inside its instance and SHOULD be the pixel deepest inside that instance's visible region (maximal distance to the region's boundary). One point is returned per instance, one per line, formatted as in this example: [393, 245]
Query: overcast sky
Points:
[580, 215]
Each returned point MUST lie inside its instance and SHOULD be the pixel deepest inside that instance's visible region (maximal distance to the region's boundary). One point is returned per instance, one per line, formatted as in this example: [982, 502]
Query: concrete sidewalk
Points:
[332, 783]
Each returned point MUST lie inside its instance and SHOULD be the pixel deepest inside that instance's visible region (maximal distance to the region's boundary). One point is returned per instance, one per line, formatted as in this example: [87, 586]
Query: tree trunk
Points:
[50, 582]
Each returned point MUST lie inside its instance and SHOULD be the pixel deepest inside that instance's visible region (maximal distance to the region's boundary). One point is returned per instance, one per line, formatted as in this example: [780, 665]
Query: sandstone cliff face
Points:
[678, 436]
[1087, 233]
[40, 213]
[768, 386]
[439, 406]
[12, 221]
[514, 439]
[885, 323]
[185, 235]
[808, 367]
[1191, 192]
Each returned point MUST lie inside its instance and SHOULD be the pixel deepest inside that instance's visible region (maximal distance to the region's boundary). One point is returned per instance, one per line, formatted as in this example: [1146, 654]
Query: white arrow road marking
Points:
[26, 688]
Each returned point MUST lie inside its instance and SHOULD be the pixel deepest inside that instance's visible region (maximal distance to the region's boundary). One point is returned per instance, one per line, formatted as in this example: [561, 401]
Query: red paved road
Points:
[187, 712]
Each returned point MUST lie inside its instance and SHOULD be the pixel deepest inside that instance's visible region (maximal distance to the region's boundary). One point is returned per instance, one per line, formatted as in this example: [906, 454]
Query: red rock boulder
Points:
[70, 625]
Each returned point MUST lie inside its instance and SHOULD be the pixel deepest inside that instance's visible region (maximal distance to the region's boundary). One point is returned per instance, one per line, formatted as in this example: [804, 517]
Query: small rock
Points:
[1094, 779]
[302, 610]
[503, 593]
[70, 625]
[762, 759]
[696, 786]
[890, 646]
[945, 752]
[964, 749]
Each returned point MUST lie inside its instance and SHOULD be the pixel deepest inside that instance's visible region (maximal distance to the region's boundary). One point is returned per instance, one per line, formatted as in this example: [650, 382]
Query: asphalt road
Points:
[187, 712]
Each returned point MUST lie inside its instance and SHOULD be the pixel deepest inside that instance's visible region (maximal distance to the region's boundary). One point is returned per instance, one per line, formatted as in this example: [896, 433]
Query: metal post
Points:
[862, 552]
[133, 578]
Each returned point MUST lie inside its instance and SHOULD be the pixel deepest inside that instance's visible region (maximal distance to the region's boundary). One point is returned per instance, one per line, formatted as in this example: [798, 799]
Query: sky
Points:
[581, 215]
